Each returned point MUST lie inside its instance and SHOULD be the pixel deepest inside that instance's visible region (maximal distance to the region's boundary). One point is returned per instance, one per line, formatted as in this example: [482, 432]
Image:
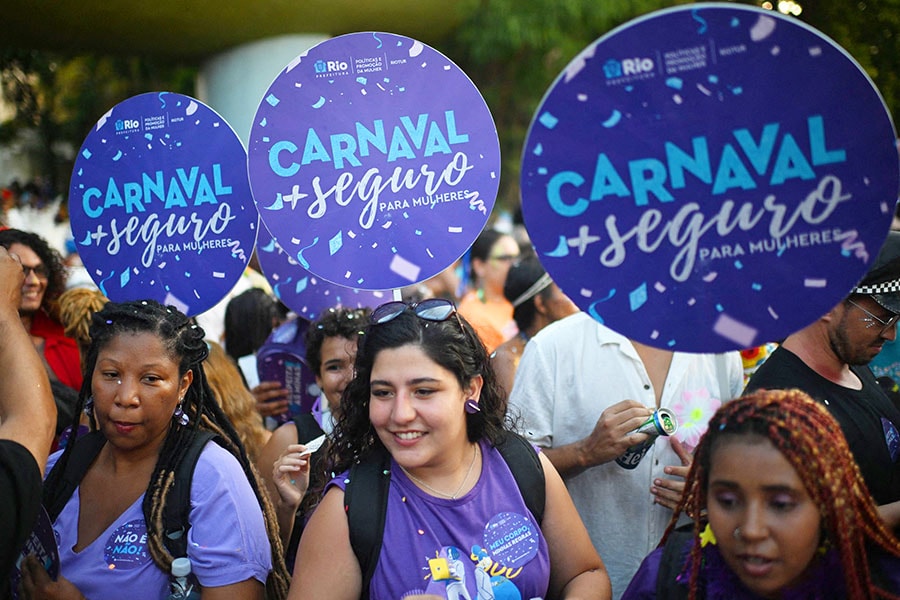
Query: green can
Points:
[661, 422]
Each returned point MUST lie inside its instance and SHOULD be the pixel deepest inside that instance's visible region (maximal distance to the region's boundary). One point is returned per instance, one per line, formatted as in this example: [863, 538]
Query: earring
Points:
[181, 416]
[89, 406]
[472, 406]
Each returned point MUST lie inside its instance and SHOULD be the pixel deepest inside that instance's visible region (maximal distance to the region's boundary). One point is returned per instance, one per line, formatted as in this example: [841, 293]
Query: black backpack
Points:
[177, 513]
[370, 479]
[307, 430]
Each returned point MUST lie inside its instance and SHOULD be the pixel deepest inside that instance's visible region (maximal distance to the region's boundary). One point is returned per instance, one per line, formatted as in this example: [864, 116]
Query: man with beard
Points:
[828, 360]
[45, 279]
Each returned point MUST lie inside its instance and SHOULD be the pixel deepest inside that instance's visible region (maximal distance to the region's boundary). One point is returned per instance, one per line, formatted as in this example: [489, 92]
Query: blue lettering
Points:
[314, 149]
[821, 156]
[89, 210]
[221, 190]
[400, 147]
[555, 198]
[204, 193]
[175, 197]
[112, 195]
[376, 138]
[154, 187]
[436, 141]
[417, 133]
[790, 162]
[133, 197]
[758, 154]
[679, 161]
[455, 138]
[190, 182]
[656, 171]
[275, 164]
[343, 146]
[607, 180]
[732, 173]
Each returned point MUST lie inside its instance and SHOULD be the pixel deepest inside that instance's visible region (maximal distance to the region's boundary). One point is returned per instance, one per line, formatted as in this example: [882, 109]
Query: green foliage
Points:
[62, 97]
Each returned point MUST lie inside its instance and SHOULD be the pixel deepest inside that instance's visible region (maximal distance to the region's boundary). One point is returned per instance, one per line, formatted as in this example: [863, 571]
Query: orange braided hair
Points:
[812, 442]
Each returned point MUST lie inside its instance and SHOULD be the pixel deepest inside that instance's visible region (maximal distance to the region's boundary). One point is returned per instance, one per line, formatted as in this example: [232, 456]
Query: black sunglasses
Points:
[433, 309]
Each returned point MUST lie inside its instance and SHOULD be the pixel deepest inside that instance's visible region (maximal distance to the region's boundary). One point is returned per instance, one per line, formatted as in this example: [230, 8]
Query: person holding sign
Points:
[331, 343]
[108, 492]
[582, 390]
[434, 505]
[828, 360]
[776, 513]
[27, 421]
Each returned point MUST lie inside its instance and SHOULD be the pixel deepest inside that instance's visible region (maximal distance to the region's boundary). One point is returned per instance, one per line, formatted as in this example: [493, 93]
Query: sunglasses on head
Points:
[432, 309]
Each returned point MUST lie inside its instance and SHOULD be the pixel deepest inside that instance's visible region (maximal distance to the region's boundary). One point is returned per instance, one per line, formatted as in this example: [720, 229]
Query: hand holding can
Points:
[661, 422]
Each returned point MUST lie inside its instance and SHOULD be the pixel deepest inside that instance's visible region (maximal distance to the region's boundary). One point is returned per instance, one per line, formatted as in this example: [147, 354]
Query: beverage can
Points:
[661, 422]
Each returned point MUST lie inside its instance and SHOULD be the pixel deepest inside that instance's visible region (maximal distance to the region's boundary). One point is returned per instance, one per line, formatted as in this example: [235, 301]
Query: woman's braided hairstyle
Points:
[184, 342]
[811, 440]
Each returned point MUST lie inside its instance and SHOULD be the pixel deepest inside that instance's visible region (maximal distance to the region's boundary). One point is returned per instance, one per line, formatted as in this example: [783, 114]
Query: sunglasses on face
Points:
[873, 321]
[40, 271]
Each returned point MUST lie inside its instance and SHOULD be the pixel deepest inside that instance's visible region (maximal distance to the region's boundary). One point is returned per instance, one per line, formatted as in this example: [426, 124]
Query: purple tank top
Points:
[484, 545]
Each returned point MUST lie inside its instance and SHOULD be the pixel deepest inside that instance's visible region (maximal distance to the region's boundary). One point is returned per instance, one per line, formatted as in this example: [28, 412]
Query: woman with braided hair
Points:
[147, 399]
[779, 510]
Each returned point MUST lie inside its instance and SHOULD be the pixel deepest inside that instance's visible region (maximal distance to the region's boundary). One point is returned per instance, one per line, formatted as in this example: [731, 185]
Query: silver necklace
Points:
[455, 494]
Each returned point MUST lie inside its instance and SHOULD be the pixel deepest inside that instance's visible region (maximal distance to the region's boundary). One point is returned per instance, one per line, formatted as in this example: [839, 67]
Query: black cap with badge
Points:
[882, 282]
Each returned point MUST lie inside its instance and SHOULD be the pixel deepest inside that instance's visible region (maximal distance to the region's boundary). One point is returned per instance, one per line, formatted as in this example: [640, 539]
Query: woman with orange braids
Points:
[779, 511]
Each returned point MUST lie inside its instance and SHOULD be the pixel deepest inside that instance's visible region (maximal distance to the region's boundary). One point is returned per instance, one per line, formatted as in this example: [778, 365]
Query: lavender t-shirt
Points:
[485, 544]
[227, 542]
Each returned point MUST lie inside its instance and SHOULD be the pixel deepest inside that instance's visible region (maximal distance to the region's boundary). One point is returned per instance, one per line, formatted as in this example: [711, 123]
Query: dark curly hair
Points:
[185, 344]
[347, 323]
[453, 345]
[56, 282]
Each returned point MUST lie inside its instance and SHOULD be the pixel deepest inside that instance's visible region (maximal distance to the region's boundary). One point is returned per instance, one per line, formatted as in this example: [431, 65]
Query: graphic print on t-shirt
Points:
[510, 541]
[126, 548]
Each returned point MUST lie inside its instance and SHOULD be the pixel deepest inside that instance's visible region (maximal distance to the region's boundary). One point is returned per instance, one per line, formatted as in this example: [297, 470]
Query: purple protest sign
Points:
[303, 292]
[41, 544]
[160, 203]
[374, 161]
[709, 177]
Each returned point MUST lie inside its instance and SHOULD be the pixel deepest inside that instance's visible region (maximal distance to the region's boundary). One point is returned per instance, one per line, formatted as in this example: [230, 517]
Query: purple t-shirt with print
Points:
[227, 542]
[485, 544]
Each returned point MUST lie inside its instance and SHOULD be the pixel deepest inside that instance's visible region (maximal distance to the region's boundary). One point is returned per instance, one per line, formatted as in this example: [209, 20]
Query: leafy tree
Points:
[61, 97]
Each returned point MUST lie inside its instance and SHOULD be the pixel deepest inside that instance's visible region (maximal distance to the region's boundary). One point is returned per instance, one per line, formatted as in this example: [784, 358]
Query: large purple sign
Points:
[160, 203]
[374, 161]
[303, 292]
[709, 177]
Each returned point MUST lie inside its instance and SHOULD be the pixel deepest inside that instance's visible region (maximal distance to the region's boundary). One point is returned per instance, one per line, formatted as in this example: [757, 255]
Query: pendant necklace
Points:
[455, 494]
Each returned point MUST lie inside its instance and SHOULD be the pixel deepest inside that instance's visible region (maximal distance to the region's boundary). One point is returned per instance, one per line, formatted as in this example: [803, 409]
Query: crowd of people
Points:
[467, 442]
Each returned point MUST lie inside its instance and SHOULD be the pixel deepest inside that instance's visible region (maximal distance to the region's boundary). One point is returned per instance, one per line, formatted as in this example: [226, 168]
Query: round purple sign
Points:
[303, 292]
[709, 177]
[374, 161]
[160, 203]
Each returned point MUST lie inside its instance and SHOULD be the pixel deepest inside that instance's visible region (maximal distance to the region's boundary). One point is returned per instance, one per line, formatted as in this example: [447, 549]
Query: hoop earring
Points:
[472, 406]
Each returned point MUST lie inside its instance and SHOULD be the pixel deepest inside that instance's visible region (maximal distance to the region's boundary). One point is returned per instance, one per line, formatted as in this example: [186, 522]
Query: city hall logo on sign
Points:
[126, 126]
[628, 69]
[329, 68]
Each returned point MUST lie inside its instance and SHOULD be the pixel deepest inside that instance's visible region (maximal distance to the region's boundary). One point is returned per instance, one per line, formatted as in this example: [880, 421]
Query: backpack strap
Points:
[675, 553]
[307, 428]
[368, 485]
[177, 512]
[525, 464]
[370, 480]
[85, 451]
